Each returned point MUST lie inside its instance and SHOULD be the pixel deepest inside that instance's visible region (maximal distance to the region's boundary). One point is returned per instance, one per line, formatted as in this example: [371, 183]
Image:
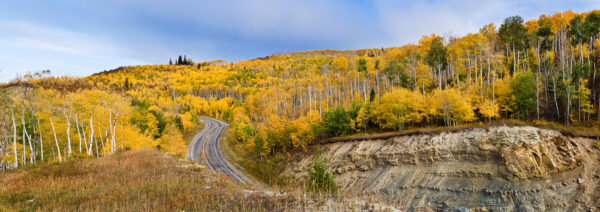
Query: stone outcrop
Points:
[487, 169]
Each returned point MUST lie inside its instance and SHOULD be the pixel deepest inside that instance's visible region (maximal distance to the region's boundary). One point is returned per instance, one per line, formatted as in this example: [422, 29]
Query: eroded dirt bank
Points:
[481, 169]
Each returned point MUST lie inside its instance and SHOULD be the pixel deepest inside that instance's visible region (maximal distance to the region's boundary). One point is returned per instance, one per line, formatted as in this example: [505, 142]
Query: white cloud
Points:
[406, 22]
[53, 40]
[28, 47]
[275, 20]
[90, 36]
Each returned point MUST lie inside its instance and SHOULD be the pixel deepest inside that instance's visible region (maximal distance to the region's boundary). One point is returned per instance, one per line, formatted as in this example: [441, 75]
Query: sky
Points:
[82, 37]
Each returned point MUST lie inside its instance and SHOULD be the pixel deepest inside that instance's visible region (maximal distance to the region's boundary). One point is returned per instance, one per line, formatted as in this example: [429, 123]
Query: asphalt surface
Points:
[205, 149]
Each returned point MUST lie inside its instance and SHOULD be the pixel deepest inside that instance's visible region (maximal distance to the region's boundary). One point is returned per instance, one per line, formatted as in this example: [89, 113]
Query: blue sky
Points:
[81, 37]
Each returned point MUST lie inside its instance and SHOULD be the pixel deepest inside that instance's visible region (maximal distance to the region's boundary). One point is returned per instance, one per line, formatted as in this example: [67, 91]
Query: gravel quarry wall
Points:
[502, 168]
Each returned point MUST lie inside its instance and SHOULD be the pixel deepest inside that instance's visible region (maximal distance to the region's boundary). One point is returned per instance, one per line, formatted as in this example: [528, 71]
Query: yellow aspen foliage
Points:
[453, 107]
[154, 107]
[583, 96]
[340, 64]
[242, 129]
[300, 134]
[152, 125]
[488, 109]
[259, 146]
[399, 107]
[130, 138]
[362, 117]
[172, 141]
[425, 42]
[503, 95]
[585, 106]
[186, 122]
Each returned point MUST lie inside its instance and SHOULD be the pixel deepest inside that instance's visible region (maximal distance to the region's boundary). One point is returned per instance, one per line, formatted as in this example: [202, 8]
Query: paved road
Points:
[205, 149]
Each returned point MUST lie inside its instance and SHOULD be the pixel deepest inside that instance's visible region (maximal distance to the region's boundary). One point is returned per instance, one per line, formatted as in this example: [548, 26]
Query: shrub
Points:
[523, 91]
[319, 180]
[338, 121]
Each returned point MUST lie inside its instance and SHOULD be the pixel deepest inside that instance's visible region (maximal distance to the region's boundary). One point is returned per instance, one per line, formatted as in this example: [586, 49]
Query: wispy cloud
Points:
[29, 47]
[53, 40]
[83, 37]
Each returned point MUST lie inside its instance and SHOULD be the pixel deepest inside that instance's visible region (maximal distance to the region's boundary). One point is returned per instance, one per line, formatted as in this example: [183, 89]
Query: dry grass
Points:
[139, 180]
[149, 180]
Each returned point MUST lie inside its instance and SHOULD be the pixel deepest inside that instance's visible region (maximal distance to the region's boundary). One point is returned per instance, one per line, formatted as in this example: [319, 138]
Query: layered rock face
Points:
[499, 168]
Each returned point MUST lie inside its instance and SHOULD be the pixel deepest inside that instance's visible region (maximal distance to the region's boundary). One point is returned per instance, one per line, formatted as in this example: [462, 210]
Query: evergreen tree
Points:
[577, 31]
[337, 121]
[126, 84]
[437, 58]
[513, 32]
[523, 92]
[592, 24]
[362, 65]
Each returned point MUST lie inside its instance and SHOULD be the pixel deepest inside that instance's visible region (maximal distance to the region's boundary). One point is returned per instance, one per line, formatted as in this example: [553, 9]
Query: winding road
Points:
[205, 149]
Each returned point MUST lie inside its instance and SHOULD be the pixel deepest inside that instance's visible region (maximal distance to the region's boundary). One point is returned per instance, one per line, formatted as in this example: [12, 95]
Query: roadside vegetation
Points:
[149, 180]
[138, 180]
[319, 179]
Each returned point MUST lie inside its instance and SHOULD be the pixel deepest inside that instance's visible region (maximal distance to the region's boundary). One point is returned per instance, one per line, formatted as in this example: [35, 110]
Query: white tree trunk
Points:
[41, 141]
[69, 151]
[113, 130]
[85, 141]
[101, 139]
[78, 131]
[56, 140]
[91, 141]
[16, 163]
[23, 157]
[26, 135]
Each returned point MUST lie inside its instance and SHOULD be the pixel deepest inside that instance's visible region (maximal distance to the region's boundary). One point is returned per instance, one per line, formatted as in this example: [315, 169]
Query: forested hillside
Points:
[538, 70]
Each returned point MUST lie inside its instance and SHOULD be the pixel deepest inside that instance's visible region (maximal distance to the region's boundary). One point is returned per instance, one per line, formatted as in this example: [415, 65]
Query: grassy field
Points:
[149, 180]
[138, 180]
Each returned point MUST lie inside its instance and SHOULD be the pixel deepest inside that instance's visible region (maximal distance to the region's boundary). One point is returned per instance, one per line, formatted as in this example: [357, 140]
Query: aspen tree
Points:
[16, 162]
[55, 140]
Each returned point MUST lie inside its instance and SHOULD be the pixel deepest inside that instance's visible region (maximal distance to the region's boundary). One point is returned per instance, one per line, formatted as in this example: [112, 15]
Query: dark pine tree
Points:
[126, 84]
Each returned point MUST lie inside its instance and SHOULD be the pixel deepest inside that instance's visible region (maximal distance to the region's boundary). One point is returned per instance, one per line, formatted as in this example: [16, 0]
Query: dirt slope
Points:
[483, 169]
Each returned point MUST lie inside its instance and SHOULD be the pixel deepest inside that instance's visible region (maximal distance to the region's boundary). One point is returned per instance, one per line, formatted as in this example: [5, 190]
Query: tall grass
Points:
[148, 180]
[319, 179]
[139, 180]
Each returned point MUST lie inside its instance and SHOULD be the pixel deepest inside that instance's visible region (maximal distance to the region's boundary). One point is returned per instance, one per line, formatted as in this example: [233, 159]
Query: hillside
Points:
[148, 180]
[536, 71]
[138, 180]
[498, 168]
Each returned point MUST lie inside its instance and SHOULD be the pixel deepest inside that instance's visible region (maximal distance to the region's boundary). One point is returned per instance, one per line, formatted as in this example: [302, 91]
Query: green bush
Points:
[337, 121]
[523, 91]
[319, 180]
